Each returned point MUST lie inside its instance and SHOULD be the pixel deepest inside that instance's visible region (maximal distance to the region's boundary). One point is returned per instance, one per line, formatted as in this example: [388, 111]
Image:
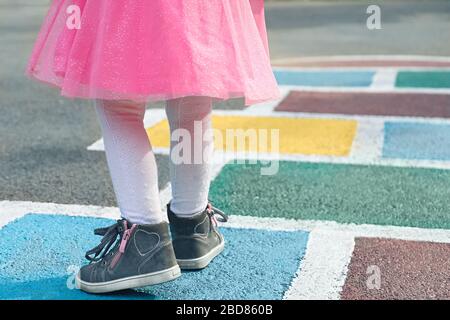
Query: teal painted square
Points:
[324, 78]
[37, 250]
[423, 79]
[419, 141]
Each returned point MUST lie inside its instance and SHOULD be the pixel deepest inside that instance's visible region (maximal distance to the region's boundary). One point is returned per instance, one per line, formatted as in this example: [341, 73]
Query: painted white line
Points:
[358, 68]
[12, 210]
[367, 145]
[332, 116]
[370, 90]
[19, 208]
[420, 58]
[355, 230]
[359, 158]
[323, 270]
[9, 210]
[266, 107]
[384, 79]
[97, 146]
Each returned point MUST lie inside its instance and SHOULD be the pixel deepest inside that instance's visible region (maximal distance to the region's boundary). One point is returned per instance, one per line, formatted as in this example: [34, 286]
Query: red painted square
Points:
[402, 269]
[381, 104]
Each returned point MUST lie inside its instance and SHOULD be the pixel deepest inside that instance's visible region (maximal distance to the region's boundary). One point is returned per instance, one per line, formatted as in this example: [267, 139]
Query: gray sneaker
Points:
[196, 239]
[129, 256]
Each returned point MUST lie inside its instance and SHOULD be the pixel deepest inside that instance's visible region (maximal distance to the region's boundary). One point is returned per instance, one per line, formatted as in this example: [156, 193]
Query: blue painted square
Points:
[420, 141]
[38, 252]
[324, 78]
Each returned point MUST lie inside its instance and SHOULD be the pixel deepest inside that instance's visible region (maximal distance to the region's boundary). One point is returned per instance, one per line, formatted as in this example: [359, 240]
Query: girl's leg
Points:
[130, 160]
[135, 251]
[189, 213]
[190, 179]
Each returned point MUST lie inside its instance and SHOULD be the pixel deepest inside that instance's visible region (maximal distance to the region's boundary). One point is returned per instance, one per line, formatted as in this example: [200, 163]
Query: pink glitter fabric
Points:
[156, 50]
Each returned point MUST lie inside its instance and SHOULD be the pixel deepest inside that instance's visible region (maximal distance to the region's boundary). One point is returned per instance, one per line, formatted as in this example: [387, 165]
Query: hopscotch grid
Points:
[308, 283]
[155, 116]
[319, 276]
[369, 128]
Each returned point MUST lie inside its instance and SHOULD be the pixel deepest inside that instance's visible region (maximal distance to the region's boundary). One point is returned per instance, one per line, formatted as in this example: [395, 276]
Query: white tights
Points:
[132, 164]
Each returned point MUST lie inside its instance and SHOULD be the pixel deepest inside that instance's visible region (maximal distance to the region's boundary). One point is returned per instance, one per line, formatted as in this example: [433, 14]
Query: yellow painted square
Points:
[328, 137]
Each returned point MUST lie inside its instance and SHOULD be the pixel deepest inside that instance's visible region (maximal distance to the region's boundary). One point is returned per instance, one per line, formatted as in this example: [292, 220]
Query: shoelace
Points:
[109, 238]
[212, 211]
[110, 234]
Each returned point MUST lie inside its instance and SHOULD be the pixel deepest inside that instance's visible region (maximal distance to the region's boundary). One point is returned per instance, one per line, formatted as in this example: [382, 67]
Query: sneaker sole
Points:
[129, 282]
[202, 262]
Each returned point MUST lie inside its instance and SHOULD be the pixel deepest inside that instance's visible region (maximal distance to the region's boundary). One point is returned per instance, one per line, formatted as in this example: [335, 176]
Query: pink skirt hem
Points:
[156, 50]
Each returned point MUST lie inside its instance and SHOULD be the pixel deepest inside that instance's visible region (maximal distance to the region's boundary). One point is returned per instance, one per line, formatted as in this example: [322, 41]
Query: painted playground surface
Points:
[359, 208]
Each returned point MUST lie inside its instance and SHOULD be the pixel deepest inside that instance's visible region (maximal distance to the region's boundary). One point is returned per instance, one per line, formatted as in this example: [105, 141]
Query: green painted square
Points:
[423, 79]
[343, 193]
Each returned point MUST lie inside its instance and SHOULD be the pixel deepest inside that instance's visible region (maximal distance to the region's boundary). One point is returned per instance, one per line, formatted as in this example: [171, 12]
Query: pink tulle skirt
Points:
[155, 50]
